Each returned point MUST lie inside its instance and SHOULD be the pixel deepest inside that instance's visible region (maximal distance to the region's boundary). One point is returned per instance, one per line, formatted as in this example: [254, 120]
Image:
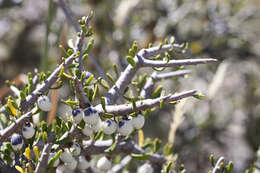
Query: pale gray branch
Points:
[148, 87]
[98, 147]
[172, 63]
[119, 167]
[217, 164]
[126, 109]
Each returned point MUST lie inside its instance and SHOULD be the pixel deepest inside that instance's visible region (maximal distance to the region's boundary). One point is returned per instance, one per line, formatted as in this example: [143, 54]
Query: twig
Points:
[69, 16]
[125, 109]
[83, 99]
[217, 164]
[148, 87]
[141, 60]
[98, 147]
[43, 161]
[9, 130]
[118, 167]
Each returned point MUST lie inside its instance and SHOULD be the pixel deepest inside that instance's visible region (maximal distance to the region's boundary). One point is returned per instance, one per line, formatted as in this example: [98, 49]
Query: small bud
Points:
[125, 127]
[91, 116]
[138, 121]
[28, 130]
[17, 141]
[104, 164]
[109, 126]
[44, 103]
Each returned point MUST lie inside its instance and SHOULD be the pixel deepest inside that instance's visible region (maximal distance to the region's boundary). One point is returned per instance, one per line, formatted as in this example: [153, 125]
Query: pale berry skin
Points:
[28, 130]
[87, 130]
[71, 165]
[109, 127]
[138, 121]
[44, 103]
[96, 127]
[75, 149]
[66, 156]
[17, 141]
[125, 127]
[77, 115]
[104, 164]
[60, 169]
[57, 162]
[83, 163]
[145, 168]
[90, 116]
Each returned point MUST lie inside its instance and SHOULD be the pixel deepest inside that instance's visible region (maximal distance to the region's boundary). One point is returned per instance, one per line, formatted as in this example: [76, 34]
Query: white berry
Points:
[66, 156]
[83, 163]
[71, 165]
[57, 162]
[96, 127]
[145, 168]
[17, 141]
[88, 131]
[125, 127]
[138, 121]
[44, 103]
[109, 127]
[104, 164]
[90, 116]
[75, 149]
[60, 169]
[28, 130]
[77, 115]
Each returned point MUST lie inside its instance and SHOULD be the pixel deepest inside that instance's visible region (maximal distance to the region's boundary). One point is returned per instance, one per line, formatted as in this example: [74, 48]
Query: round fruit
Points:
[125, 127]
[109, 126]
[104, 164]
[17, 141]
[77, 115]
[145, 168]
[91, 116]
[28, 130]
[138, 121]
[44, 103]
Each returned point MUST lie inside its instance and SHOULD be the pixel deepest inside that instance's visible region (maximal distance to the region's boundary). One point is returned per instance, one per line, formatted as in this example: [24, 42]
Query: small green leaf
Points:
[90, 44]
[112, 147]
[22, 95]
[169, 167]
[156, 145]
[104, 84]
[99, 135]
[131, 61]
[110, 78]
[157, 92]
[160, 46]
[199, 95]
[53, 160]
[133, 104]
[89, 80]
[103, 103]
[70, 102]
[95, 92]
[167, 149]
[141, 156]
[108, 115]
[61, 72]
[212, 160]
[115, 70]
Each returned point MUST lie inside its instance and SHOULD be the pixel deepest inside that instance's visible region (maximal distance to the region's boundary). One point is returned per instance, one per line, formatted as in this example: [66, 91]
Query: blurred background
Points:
[226, 123]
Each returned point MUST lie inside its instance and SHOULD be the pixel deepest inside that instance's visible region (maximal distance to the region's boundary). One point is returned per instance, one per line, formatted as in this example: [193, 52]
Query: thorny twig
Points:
[70, 17]
[128, 147]
[217, 164]
[148, 87]
[141, 60]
